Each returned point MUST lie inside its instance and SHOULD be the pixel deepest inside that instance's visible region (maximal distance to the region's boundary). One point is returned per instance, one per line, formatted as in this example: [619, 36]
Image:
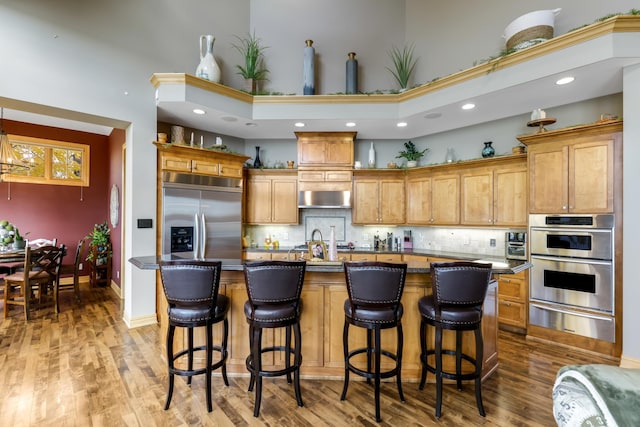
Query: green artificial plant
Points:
[252, 51]
[410, 152]
[404, 63]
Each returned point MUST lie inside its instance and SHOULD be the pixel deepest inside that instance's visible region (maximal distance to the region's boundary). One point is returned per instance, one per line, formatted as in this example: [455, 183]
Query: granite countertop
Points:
[501, 266]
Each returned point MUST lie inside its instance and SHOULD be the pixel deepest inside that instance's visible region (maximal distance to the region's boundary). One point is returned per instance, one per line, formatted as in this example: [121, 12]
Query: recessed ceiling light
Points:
[299, 125]
[250, 124]
[565, 80]
[198, 111]
[229, 119]
[350, 124]
[401, 124]
[469, 106]
[432, 115]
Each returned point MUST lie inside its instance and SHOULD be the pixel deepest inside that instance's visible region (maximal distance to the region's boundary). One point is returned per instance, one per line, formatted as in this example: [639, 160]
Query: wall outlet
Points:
[80, 266]
[492, 243]
[365, 237]
[285, 236]
[117, 274]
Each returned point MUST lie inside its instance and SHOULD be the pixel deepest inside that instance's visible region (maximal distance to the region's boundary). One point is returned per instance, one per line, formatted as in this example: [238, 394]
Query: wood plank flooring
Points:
[86, 368]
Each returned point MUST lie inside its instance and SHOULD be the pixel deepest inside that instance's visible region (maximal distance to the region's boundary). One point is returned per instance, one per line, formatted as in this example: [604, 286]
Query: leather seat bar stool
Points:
[191, 288]
[274, 289]
[375, 290]
[459, 290]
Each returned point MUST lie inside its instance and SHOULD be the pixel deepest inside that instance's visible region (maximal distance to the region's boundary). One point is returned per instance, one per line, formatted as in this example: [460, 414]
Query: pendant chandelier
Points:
[8, 160]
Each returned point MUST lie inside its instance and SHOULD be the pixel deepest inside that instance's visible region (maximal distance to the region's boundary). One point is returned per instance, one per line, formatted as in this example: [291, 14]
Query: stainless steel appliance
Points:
[516, 245]
[572, 279]
[201, 216]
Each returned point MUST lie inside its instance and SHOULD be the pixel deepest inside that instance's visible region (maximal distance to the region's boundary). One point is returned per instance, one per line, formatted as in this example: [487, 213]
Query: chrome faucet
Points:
[313, 233]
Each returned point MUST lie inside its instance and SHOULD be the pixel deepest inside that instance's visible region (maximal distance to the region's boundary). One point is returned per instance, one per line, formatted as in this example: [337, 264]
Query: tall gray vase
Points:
[309, 69]
[352, 73]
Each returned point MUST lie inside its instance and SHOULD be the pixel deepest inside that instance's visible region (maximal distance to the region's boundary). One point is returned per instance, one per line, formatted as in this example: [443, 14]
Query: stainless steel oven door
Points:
[580, 283]
[594, 243]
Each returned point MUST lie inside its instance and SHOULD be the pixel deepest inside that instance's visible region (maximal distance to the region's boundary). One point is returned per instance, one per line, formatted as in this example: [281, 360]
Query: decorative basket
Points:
[539, 32]
[533, 26]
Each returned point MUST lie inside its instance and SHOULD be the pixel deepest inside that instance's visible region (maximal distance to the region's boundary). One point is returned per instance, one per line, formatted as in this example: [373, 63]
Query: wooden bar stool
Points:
[459, 290]
[375, 290]
[191, 288]
[274, 289]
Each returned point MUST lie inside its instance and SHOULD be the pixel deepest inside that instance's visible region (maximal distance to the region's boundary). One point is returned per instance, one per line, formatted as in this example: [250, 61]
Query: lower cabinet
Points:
[512, 301]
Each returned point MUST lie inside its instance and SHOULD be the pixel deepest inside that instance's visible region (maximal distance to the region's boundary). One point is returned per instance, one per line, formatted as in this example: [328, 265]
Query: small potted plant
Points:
[411, 153]
[403, 63]
[18, 240]
[253, 69]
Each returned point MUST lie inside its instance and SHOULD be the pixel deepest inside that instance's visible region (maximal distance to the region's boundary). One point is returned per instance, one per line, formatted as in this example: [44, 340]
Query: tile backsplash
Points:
[449, 239]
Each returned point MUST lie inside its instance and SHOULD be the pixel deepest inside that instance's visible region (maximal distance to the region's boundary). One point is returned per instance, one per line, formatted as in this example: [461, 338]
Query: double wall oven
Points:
[572, 279]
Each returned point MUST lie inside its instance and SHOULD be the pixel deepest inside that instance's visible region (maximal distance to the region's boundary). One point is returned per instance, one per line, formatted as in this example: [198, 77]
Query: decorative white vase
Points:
[333, 246]
[208, 68]
[372, 157]
[412, 163]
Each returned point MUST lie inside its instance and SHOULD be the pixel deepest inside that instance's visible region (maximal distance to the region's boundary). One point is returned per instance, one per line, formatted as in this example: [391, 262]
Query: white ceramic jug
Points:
[208, 68]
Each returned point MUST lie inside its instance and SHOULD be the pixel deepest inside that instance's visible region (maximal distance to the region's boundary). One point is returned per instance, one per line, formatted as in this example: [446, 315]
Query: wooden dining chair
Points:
[72, 269]
[38, 243]
[37, 283]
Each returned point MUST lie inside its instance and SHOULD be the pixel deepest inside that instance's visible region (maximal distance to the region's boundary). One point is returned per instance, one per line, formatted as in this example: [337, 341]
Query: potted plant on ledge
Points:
[404, 64]
[411, 153]
[253, 70]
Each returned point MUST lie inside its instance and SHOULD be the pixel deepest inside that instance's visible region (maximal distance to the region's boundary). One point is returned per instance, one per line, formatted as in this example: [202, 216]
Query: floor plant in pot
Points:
[411, 153]
[253, 70]
[99, 238]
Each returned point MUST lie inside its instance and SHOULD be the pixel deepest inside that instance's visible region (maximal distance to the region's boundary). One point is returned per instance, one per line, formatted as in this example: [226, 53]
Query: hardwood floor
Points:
[85, 368]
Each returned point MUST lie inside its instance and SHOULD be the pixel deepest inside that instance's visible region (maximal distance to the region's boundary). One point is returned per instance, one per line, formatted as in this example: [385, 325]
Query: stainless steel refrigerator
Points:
[201, 217]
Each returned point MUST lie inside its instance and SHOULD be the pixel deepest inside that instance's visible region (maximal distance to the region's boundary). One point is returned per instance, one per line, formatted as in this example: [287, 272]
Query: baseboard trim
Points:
[147, 320]
[629, 362]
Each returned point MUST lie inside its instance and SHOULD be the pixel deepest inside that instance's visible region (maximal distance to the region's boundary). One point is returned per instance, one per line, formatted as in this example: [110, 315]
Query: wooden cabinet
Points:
[445, 199]
[512, 301]
[271, 197]
[175, 158]
[379, 198]
[433, 197]
[495, 194]
[325, 150]
[572, 170]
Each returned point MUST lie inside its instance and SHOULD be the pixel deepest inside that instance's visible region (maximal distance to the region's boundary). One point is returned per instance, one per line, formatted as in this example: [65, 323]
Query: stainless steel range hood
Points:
[324, 199]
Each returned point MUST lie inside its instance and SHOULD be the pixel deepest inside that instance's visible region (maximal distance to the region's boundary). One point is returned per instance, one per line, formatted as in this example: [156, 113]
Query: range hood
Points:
[324, 199]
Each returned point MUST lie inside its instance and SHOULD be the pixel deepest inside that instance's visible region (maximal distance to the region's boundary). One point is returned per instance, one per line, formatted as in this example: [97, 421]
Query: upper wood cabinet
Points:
[271, 197]
[325, 150]
[177, 158]
[573, 170]
[495, 194]
[433, 197]
[379, 198]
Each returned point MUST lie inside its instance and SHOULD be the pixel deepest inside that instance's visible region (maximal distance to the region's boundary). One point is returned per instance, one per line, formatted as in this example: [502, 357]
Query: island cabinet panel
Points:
[271, 197]
[572, 170]
[322, 323]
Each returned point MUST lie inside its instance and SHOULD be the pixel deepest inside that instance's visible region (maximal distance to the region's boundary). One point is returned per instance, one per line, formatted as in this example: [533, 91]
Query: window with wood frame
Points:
[49, 161]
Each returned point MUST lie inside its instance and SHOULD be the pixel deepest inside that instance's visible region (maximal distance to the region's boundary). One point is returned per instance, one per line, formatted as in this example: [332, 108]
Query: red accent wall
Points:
[65, 212]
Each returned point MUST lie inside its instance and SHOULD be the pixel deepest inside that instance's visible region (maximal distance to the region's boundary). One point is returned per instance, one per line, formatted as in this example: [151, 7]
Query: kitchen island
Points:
[323, 295]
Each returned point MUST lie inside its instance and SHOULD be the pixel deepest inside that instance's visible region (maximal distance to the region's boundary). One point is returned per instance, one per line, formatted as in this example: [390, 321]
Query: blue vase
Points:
[488, 150]
[309, 69]
[256, 162]
[352, 74]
